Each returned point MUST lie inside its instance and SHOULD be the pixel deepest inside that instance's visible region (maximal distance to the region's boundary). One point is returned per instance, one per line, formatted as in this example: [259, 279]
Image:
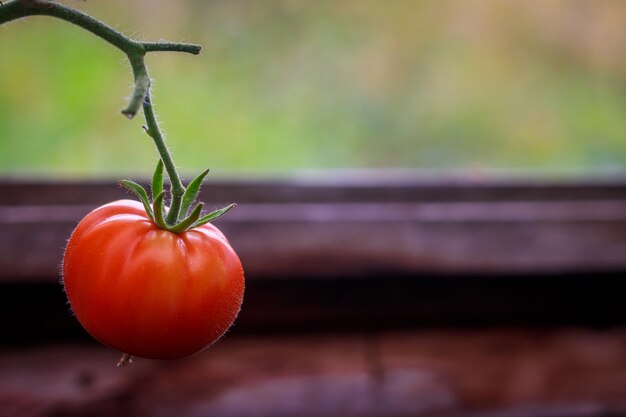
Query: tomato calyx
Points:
[161, 215]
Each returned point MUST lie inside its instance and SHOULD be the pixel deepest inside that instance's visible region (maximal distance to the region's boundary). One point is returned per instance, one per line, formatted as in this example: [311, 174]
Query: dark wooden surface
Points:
[451, 298]
[369, 187]
[317, 229]
[37, 313]
[489, 373]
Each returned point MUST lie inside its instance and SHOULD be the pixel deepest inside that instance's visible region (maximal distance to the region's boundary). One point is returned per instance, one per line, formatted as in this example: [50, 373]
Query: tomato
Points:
[149, 292]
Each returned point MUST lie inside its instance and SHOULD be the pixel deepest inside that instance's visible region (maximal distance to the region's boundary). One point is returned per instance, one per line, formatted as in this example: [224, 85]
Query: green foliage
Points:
[186, 223]
[359, 83]
[157, 180]
[191, 193]
[213, 215]
[140, 192]
[159, 210]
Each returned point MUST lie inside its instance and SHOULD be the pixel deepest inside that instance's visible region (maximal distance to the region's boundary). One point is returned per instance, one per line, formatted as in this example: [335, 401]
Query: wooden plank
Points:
[510, 369]
[355, 239]
[372, 187]
[489, 373]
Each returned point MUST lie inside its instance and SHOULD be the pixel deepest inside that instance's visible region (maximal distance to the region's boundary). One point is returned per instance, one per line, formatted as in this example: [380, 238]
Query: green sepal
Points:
[191, 193]
[140, 192]
[157, 180]
[158, 211]
[212, 216]
[185, 224]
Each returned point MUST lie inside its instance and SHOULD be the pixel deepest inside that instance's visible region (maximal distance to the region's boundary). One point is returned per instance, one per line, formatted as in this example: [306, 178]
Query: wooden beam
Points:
[480, 373]
[331, 239]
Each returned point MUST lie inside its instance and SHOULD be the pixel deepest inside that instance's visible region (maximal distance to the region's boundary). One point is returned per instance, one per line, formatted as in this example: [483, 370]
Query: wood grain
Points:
[490, 373]
[354, 227]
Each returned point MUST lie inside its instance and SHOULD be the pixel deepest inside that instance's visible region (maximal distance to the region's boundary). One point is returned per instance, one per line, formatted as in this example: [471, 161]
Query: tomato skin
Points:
[149, 292]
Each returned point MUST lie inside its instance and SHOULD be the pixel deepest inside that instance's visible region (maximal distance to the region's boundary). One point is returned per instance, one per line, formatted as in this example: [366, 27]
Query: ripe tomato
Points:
[149, 292]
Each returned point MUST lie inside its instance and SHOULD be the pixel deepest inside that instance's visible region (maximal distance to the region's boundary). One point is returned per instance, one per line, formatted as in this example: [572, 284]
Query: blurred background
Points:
[284, 85]
[432, 205]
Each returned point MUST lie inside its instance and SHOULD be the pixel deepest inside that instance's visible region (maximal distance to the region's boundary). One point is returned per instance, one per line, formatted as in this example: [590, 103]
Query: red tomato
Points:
[149, 292]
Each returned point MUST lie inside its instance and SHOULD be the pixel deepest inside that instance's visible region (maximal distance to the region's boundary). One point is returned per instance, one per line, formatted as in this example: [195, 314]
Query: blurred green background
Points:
[285, 85]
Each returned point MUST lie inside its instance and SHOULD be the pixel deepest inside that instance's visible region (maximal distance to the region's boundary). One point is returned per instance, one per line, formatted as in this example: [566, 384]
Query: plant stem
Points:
[171, 47]
[176, 186]
[135, 51]
[17, 9]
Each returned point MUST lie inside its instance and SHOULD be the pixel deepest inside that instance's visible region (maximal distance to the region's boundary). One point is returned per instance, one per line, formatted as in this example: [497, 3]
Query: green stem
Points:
[135, 51]
[142, 85]
[17, 9]
[176, 186]
[171, 47]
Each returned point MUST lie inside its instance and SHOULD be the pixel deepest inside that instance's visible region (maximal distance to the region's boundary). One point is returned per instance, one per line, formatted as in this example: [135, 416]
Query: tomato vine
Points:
[179, 216]
[149, 280]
